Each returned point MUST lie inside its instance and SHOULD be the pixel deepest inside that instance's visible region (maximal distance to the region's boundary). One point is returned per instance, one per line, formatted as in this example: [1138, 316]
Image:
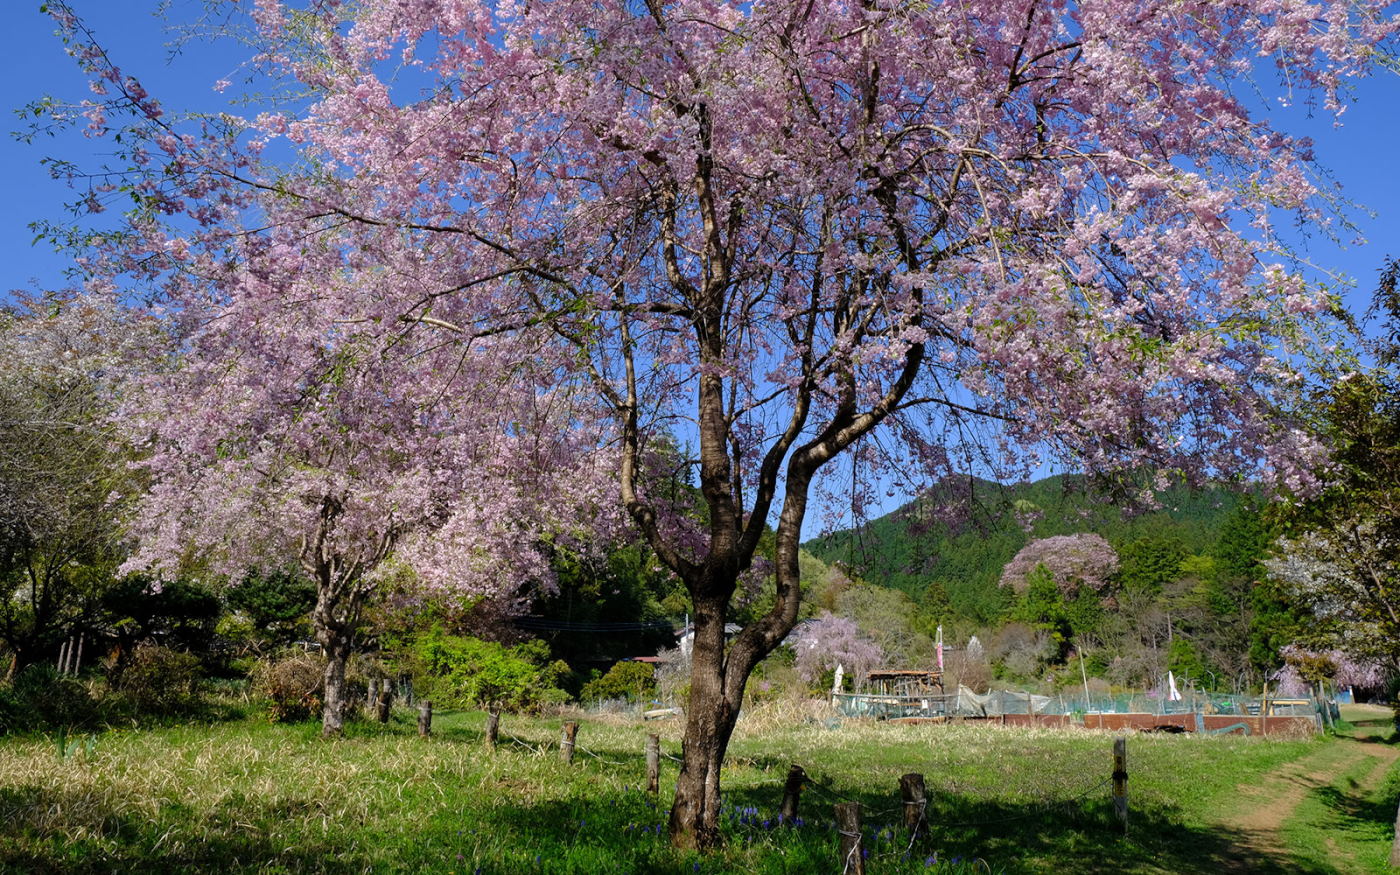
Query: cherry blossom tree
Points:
[991, 230]
[1074, 561]
[282, 434]
[1302, 668]
[823, 643]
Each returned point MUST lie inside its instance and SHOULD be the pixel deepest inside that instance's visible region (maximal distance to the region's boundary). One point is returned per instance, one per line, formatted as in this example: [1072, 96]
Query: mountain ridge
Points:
[952, 561]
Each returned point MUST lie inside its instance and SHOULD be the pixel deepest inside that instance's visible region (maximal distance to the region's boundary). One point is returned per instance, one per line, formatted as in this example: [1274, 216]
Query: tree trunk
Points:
[710, 717]
[335, 619]
[1395, 843]
[340, 594]
[336, 644]
[22, 656]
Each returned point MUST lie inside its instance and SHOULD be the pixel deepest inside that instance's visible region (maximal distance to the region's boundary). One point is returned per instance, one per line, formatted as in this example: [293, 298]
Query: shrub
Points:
[464, 672]
[629, 680]
[673, 677]
[292, 686]
[41, 698]
[159, 680]
[269, 611]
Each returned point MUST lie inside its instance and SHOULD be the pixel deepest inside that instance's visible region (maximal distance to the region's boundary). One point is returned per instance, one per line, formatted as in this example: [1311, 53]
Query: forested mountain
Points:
[1188, 592]
[947, 548]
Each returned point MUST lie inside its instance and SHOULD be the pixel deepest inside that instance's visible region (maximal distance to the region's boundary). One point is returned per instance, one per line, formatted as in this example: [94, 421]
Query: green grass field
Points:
[252, 797]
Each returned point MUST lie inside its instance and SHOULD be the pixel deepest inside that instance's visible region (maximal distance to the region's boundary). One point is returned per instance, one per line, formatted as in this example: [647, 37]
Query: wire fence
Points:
[894, 830]
[823, 788]
[996, 703]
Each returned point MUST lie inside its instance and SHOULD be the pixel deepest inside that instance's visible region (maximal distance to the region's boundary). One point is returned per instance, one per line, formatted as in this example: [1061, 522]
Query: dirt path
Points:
[1267, 805]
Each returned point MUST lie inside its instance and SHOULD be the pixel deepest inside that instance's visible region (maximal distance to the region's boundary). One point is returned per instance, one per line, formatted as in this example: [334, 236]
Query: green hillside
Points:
[955, 565]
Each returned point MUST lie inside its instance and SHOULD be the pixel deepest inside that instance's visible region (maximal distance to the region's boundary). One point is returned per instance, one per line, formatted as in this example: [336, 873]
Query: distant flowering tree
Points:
[1303, 667]
[1342, 576]
[982, 228]
[1074, 561]
[821, 644]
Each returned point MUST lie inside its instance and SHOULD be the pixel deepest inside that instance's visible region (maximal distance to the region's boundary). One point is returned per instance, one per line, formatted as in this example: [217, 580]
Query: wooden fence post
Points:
[63, 656]
[566, 742]
[1120, 781]
[911, 788]
[852, 848]
[425, 718]
[386, 700]
[371, 696]
[792, 793]
[653, 763]
[493, 727]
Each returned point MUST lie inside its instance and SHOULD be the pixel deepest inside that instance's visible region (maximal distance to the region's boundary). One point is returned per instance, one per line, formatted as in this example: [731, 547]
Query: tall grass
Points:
[253, 797]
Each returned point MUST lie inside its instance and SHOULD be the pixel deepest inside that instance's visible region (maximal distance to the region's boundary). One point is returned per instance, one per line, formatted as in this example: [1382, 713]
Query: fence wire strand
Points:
[1037, 808]
[540, 750]
[599, 757]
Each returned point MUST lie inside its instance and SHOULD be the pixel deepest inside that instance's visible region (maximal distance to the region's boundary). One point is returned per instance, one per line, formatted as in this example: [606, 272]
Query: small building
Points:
[895, 693]
[914, 683]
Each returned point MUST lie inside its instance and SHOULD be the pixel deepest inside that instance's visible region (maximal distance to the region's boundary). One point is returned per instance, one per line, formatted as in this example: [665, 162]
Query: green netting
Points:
[998, 702]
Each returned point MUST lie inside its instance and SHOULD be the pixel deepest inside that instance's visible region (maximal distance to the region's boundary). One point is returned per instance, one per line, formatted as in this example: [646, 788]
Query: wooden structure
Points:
[904, 682]
[894, 694]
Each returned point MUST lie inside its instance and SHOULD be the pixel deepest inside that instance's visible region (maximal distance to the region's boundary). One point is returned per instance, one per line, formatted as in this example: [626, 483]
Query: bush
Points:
[268, 612]
[673, 677]
[462, 672]
[160, 680]
[40, 698]
[292, 686]
[777, 680]
[629, 680]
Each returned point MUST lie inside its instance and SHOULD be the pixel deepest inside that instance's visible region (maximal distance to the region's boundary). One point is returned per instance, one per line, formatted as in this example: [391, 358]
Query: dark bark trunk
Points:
[22, 656]
[739, 512]
[710, 717]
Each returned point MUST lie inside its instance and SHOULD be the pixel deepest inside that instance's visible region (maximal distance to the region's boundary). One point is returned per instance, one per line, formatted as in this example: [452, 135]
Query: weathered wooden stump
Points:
[1120, 782]
[653, 763]
[386, 700]
[566, 742]
[911, 789]
[493, 727]
[792, 793]
[852, 859]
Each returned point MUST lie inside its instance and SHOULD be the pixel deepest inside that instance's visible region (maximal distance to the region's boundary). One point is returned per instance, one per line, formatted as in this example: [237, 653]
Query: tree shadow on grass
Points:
[44, 831]
[1357, 812]
[1082, 837]
[1078, 834]
[48, 831]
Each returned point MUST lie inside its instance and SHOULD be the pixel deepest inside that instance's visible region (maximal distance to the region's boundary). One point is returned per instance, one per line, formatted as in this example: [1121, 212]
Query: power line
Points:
[546, 625]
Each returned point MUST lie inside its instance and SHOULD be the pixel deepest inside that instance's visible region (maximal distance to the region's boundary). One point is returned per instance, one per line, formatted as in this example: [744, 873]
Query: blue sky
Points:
[1360, 153]
[35, 65]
